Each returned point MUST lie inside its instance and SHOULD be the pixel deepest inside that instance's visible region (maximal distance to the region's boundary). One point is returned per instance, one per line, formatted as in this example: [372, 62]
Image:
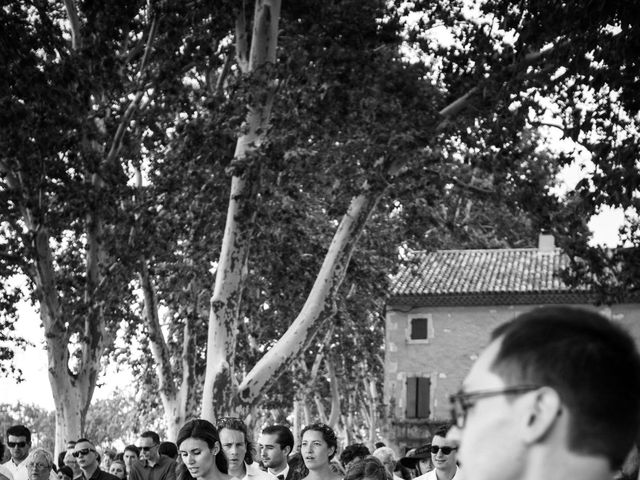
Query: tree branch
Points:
[74, 21]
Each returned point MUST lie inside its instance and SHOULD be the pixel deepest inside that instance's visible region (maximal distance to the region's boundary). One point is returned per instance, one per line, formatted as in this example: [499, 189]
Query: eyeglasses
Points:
[38, 466]
[17, 444]
[146, 449]
[462, 402]
[83, 452]
[445, 450]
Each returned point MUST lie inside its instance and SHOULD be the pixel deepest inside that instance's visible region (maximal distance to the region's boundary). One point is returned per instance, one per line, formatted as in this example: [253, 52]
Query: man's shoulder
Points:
[163, 461]
[254, 471]
[107, 476]
[100, 474]
[430, 475]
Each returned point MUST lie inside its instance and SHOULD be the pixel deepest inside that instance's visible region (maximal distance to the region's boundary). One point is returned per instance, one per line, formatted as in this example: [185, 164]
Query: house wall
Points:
[457, 336]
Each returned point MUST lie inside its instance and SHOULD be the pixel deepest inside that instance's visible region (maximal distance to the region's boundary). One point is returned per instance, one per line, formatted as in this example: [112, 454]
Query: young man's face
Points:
[234, 447]
[19, 447]
[442, 460]
[272, 455]
[490, 446]
[129, 457]
[86, 455]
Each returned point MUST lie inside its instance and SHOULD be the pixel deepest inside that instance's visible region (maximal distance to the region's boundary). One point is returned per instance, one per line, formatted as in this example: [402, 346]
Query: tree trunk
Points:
[318, 305]
[227, 292]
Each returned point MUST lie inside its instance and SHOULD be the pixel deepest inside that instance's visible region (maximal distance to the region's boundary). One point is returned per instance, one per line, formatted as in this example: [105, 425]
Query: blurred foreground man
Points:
[555, 396]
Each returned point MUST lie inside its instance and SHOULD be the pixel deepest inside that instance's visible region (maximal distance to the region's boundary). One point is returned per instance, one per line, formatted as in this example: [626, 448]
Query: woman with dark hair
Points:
[318, 446]
[199, 448]
[369, 467]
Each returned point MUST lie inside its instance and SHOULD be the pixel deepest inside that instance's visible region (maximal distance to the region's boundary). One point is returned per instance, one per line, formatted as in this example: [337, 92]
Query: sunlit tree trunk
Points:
[227, 290]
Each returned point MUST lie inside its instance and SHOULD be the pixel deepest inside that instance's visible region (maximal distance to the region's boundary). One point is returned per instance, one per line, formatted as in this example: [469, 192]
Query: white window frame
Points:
[430, 332]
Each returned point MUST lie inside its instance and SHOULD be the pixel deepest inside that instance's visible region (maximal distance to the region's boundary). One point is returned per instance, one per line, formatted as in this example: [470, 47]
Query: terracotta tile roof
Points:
[504, 273]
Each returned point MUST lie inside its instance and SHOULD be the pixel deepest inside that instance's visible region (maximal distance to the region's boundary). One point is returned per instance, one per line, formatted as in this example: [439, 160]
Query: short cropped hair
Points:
[168, 449]
[328, 435]
[368, 467]
[593, 365]
[152, 435]
[133, 448]
[442, 431]
[19, 431]
[353, 451]
[234, 423]
[284, 435]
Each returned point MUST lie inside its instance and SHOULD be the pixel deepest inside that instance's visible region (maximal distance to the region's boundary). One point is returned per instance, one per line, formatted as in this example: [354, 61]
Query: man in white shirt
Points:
[443, 456]
[19, 443]
[276, 443]
[234, 439]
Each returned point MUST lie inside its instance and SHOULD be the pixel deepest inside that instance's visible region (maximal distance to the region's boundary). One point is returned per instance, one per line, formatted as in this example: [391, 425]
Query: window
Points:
[418, 397]
[420, 329]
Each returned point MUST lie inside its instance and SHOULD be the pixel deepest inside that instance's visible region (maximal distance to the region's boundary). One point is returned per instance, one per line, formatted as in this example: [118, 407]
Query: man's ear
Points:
[541, 411]
[287, 450]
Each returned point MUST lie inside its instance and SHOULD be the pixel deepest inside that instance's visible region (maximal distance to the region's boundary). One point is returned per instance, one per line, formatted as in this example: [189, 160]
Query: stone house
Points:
[442, 308]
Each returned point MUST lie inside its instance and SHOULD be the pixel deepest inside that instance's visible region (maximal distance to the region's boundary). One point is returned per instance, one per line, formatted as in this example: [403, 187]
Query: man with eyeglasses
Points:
[89, 461]
[39, 464]
[443, 457]
[152, 465]
[555, 395]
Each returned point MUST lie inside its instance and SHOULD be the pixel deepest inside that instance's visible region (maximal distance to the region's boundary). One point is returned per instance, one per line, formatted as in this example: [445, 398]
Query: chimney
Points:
[546, 242]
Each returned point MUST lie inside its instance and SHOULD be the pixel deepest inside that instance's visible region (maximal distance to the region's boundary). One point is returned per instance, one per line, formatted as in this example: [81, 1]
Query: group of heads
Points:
[227, 446]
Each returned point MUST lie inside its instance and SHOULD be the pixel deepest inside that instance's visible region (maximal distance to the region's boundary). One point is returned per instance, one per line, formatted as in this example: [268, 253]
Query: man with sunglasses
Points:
[443, 457]
[89, 461]
[152, 465]
[19, 443]
[555, 395]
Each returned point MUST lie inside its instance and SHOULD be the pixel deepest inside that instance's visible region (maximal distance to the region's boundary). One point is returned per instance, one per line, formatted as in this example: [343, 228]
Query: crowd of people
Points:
[555, 395]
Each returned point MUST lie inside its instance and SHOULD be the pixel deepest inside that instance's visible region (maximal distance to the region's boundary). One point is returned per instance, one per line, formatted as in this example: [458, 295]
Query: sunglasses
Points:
[17, 444]
[146, 449]
[445, 450]
[83, 452]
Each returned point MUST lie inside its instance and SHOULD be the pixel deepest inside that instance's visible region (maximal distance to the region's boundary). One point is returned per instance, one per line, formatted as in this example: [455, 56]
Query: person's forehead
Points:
[13, 438]
[269, 439]
[145, 441]
[312, 435]
[82, 445]
[228, 435]
[40, 457]
[480, 376]
[442, 441]
[130, 453]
